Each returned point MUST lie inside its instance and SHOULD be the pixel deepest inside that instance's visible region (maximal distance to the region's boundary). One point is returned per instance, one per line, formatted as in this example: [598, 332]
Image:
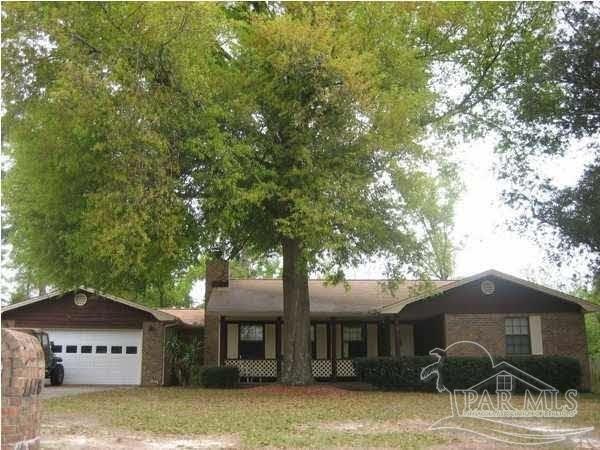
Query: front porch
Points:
[255, 346]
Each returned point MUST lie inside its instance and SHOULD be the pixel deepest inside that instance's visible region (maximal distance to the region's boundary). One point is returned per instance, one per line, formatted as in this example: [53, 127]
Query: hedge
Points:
[404, 373]
[220, 377]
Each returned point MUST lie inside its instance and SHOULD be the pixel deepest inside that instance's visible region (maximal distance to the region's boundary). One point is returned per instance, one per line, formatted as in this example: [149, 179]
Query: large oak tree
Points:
[143, 135]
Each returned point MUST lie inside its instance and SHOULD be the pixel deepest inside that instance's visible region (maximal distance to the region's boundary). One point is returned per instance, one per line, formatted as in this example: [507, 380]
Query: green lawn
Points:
[277, 416]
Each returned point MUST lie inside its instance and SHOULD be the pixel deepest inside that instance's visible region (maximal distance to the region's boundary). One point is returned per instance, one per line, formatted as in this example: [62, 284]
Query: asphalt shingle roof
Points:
[355, 297]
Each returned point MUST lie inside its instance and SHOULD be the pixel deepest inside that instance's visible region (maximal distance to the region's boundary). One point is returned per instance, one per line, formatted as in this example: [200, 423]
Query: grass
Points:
[279, 417]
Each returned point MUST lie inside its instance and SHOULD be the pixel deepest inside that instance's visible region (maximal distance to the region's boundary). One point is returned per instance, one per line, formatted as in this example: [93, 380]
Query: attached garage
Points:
[99, 356]
[102, 339]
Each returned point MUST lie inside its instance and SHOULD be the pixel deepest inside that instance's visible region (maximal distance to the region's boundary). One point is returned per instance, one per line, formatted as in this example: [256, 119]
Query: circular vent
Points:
[80, 299]
[488, 287]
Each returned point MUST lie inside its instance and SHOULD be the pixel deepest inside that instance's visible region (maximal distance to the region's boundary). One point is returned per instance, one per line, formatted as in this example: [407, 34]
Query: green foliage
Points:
[142, 134]
[245, 266]
[404, 373]
[555, 108]
[186, 356]
[592, 321]
[91, 196]
[430, 200]
[174, 291]
[220, 377]
[592, 328]
[563, 373]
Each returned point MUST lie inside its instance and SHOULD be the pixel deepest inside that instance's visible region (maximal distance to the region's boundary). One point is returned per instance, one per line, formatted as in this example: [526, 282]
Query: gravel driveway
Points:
[63, 391]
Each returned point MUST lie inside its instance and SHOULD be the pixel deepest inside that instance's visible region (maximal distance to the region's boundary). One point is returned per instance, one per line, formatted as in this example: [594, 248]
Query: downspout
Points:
[164, 349]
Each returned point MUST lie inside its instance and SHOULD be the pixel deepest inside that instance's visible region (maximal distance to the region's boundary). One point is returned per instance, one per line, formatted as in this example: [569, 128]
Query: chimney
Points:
[217, 275]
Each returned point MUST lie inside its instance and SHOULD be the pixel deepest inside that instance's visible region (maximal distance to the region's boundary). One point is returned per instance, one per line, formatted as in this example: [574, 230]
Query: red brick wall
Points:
[563, 334]
[485, 329]
[217, 274]
[152, 354]
[211, 339]
[22, 382]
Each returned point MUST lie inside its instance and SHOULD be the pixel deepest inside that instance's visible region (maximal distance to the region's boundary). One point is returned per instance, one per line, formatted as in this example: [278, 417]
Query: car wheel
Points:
[57, 376]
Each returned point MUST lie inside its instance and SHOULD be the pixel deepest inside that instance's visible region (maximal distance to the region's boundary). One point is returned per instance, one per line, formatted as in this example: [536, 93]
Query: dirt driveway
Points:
[64, 391]
[72, 432]
[68, 432]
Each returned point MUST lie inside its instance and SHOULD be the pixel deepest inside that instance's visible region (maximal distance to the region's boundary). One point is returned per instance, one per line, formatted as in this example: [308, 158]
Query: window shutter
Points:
[535, 331]
[372, 340]
[270, 341]
[232, 341]
[392, 339]
[408, 345]
[338, 340]
[321, 337]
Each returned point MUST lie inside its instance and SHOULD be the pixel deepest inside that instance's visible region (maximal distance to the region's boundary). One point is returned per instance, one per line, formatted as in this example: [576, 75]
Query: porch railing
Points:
[254, 368]
[322, 368]
[267, 368]
[345, 368]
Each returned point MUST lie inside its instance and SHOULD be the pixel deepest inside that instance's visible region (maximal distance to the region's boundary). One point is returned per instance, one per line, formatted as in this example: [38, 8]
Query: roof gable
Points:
[398, 306]
[158, 315]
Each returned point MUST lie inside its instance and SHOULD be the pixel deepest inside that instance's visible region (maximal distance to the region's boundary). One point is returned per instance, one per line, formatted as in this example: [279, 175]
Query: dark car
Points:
[54, 369]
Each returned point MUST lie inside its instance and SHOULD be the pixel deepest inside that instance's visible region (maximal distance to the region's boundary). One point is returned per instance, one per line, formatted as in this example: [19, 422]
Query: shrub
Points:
[220, 377]
[561, 372]
[186, 356]
[404, 373]
[462, 372]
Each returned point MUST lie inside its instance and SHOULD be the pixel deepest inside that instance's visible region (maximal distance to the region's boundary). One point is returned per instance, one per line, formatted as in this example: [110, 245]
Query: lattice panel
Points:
[345, 368]
[321, 368]
[254, 368]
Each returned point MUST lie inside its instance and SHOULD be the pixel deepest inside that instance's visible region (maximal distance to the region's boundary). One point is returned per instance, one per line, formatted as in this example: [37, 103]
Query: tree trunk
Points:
[297, 364]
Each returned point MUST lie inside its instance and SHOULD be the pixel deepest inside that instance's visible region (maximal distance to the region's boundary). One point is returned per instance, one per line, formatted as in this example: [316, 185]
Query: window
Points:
[71, 349]
[517, 336]
[57, 349]
[131, 350]
[251, 333]
[503, 383]
[353, 340]
[100, 348]
[252, 344]
[86, 349]
[116, 349]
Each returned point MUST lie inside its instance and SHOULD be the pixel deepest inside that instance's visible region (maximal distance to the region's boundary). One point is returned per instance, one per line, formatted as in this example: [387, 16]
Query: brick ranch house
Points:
[505, 314]
[104, 339]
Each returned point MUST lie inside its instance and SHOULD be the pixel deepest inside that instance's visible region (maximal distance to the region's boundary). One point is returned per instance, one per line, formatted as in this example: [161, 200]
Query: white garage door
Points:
[99, 356]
